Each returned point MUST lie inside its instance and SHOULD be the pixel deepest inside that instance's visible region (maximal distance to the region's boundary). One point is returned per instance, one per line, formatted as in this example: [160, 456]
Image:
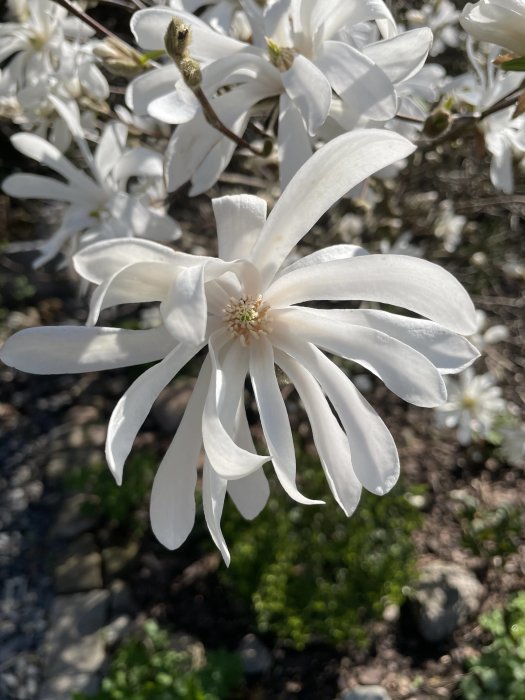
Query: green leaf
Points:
[515, 64]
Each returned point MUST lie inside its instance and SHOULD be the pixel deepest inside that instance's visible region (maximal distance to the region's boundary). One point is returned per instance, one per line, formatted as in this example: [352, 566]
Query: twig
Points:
[87, 19]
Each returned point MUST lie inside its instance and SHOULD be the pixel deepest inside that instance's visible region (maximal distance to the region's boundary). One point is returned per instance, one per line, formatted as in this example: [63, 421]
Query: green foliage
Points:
[146, 667]
[499, 672]
[117, 505]
[514, 64]
[312, 574]
[490, 532]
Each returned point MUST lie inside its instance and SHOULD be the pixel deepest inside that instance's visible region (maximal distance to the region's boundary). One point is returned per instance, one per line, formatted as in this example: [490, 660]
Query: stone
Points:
[74, 643]
[121, 600]
[365, 692]
[444, 597]
[80, 567]
[116, 630]
[171, 404]
[255, 657]
[117, 559]
[72, 520]
[62, 687]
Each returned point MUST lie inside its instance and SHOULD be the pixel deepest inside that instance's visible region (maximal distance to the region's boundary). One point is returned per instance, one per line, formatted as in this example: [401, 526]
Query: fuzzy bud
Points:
[191, 71]
[437, 122]
[177, 39]
[119, 59]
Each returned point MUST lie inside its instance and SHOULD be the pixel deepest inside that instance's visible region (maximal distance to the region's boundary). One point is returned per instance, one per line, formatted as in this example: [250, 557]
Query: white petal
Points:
[43, 152]
[332, 252]
[27, 186]
[310, 91]
[213, 493]
[74, 349]
[405, 371]
[447, 351]
[111, 147]
[274, 418]
[184, 310]
[330, 440]
[357, 80]
[175, 107]
[402, 56]
[374, 454]
[399, 280]
[137, 283]
[239, 219]
[138, 162]
[148, 87]
[172, 505]
[330, 173]
[132, 409]
[228, 459]
[100, 261]
[294, 143]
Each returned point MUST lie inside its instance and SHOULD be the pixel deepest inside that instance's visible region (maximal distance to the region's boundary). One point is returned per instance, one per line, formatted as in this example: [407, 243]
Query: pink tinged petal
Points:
[132, 409]
[357, 80]
[110, 147]
[149, 27]
[45, 153]
[274, 418]
[27, 186]
[332, 252]
[175, 107]
[398, 280]
[293, 141]
[137, 283]
[213, 493]
[330, 173]
[330, 440]
[172, 505]
[74, 349]
[374, 454]
[228, 459]
[141, 92]
[405, 371]
[310, 91]
[402, 56]
[100, 261]
[447, 351]
[239, 219]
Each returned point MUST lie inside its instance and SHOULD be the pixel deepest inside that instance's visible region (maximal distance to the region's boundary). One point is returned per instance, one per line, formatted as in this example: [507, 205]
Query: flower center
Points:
[247, 318]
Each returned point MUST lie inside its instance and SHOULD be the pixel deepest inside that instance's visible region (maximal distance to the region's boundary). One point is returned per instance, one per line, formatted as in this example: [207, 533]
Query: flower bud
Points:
[437, 122]
[177, 39]
[119, 59]
[191, 71]
[281, 56]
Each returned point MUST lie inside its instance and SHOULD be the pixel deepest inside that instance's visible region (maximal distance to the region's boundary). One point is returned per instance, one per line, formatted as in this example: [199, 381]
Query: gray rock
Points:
[365, 692]
[255, 657]
[80, 568]
[62, 687]
[117, 559]
[71, 520]
[116, 630]
[74, 643]
[121, 601]
[445, 596]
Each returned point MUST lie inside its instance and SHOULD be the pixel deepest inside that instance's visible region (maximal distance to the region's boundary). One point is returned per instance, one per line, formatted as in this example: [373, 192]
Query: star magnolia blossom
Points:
[300, 53]
[243, 307]
[500, 22]
[98, 206]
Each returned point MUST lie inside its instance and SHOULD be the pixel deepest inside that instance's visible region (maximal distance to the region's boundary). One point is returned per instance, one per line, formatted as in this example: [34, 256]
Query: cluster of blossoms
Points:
[331, 92]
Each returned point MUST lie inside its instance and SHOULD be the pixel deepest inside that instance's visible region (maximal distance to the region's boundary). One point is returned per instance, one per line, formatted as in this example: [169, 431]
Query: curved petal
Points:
[402, 56]
[138, 162]
[329, 439]
[449, 352]
[141, 91]
[172, 504]
[405, 371]
[213, 493]
[330, 173]
[274, 418]
[175, 107]
[136, 283]
[374, 454]
[26, 186]
[229, 460]
[358, 81]
[399, 280]
[332, 252]
[310, 91]
[111, 147]
[293, 141]
[74, 349]
[239, 219]
[100, 261]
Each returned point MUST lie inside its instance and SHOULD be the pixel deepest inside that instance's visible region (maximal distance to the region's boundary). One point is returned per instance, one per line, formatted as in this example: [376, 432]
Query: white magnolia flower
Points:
[449, 226]
[474, 403]
[487, 335]
[244, 306]
[98, 205]
[500, 22]
[441, 16]
[301, 53]
[481, 89]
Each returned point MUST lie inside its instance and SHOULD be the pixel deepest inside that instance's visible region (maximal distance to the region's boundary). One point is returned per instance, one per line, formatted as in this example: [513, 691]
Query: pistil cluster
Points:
[247, 318]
